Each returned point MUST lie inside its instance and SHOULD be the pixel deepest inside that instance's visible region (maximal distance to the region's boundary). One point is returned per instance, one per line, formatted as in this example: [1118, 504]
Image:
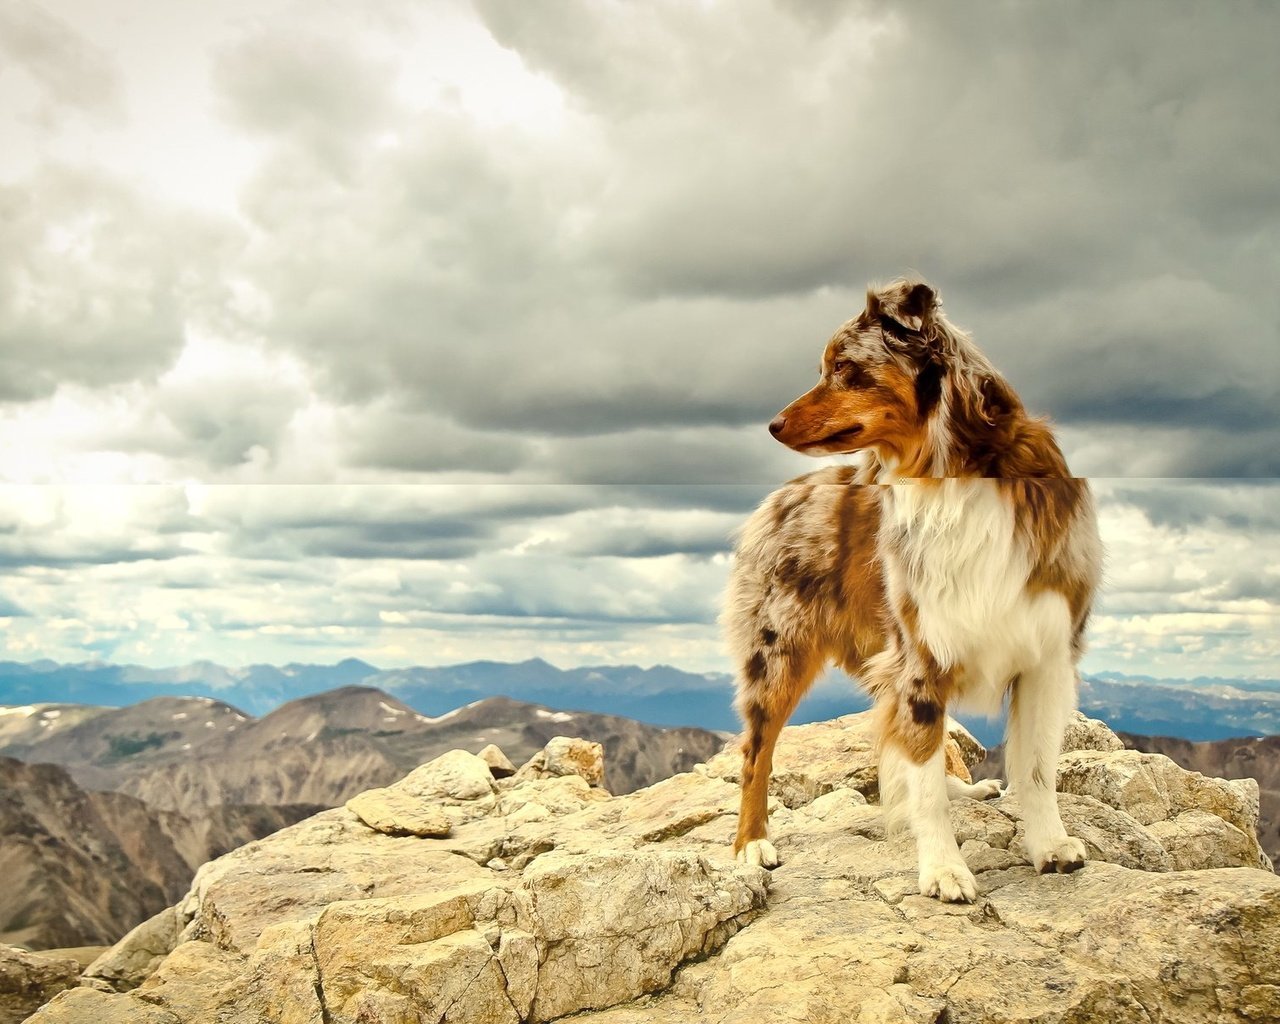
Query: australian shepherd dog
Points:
[955, 565]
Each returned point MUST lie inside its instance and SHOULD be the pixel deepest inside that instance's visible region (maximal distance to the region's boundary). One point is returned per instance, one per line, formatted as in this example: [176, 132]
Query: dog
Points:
[957, 564]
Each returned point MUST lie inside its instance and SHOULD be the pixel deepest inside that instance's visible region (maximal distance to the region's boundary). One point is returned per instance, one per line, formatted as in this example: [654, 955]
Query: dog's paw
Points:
[950, 882]
[984, 789]
[759, 853]
[1064, 856]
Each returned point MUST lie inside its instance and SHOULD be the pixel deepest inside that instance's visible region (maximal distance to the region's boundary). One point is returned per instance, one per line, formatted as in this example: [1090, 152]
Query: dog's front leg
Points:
[1042, 702]
[912, 697]
[916, 793]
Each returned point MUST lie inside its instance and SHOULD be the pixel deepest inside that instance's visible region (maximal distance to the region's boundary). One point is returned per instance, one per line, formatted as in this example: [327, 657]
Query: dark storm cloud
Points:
[650, 540]
[673, 457]
[402, 440]
[1238, 506]
[47, 553]
[70, 528]
[1249, 586]
[1102, 173]
[432, 541]
[546, 585]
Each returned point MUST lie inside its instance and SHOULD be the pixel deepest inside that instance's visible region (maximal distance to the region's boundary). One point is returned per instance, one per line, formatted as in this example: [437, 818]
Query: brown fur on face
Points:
[855, 407]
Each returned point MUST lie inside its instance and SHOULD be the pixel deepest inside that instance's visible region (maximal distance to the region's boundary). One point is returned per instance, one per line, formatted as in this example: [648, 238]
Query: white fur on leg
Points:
[759, 853]
[985, 789]
[1042, 703]
[923, 791]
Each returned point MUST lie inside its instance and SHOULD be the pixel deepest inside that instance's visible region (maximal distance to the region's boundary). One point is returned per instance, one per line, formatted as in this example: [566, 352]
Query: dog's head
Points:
[881, 377]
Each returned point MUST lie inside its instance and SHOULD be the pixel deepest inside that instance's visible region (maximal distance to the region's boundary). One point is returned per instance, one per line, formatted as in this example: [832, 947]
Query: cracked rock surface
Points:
[550, 898]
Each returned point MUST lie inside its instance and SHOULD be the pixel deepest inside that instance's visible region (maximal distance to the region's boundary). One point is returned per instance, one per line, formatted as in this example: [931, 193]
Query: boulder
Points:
[397, 813]
[29, 979]
[499, 765]
[1084, 733]
[555, 899]
[1153, 790]
[564, 755]
[135, 958]
[455, 775]
[814, 759]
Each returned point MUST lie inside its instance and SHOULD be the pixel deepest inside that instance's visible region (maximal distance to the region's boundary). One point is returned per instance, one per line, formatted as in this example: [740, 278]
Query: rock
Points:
[1152, 789]
[197, 981]
[538, 799]
[297, 872]
[554, 946]
[1197, 839]
[564, 755]
[1084, 733]
[281, 980]
[1204, 933]
[1109, 834]
[398, 814]
[134, 958]
[499, 766]
[82, 1005]
[814, 759]
[630, 910]
[972, 753]
[456, 775]
[810, 760]
[30, 979]
[675, 905]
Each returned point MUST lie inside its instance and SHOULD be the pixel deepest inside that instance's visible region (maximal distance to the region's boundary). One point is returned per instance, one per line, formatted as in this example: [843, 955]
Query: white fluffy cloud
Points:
[429, 574]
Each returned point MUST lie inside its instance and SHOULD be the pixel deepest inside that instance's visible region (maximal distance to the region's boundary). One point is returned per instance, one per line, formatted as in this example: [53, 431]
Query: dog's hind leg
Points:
[773, 681]
[1043, 700]
[983, 789]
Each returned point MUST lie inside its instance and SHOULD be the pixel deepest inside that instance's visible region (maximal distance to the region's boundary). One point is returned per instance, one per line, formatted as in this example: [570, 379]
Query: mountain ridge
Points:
[190, 753]
[1204, 708]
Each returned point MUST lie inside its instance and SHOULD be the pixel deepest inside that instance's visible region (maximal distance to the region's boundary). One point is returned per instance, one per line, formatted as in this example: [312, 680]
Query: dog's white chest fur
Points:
[954, 551]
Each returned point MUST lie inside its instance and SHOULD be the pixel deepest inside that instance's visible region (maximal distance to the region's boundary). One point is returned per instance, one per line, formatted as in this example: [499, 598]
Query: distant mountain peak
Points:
[358, 663]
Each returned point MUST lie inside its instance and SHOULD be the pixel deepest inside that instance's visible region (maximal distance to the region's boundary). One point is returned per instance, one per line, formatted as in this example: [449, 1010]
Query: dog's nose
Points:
[779, 421]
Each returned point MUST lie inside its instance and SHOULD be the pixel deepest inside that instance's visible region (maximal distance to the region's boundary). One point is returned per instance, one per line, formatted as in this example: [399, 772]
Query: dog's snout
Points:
[779, 421]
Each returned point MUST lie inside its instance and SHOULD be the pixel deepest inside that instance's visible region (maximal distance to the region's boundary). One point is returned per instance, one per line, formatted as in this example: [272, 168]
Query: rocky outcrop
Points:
[1197, 819]
[1248, 757]
[29, 979]
[549, 898]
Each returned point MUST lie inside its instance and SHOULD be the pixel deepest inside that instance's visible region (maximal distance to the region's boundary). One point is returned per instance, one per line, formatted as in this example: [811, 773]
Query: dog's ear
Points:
[996, 400]
[909, 304]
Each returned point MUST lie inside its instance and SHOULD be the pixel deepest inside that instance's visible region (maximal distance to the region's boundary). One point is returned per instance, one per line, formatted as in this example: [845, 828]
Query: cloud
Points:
[98, 283]
[61, 528]
[70, 71]
[10, 610]
[312, 88]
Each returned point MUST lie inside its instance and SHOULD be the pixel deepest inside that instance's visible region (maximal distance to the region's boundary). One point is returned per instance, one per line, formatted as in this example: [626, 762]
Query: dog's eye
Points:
[840, 366]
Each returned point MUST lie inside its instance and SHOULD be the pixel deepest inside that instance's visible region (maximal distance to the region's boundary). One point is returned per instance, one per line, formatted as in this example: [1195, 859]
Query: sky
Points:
[426, 332]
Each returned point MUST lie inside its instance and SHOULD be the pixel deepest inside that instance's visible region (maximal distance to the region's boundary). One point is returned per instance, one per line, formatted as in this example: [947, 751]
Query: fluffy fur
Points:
[956, 565]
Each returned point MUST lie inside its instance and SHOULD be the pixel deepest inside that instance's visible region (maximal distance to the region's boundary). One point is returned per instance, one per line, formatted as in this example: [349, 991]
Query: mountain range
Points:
[1195, 709]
